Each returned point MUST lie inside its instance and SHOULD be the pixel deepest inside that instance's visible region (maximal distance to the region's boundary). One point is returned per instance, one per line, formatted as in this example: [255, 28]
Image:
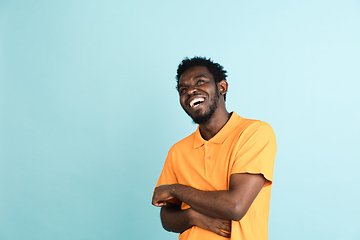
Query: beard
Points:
[203, 118]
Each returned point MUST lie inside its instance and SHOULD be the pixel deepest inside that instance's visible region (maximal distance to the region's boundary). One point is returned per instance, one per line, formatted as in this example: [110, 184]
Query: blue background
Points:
[88, 110]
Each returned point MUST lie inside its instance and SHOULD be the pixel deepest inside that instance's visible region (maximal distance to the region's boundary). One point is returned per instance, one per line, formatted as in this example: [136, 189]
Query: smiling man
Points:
[216, 183]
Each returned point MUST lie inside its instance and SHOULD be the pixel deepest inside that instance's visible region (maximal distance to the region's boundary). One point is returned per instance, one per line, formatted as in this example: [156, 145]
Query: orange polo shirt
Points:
[241, 146]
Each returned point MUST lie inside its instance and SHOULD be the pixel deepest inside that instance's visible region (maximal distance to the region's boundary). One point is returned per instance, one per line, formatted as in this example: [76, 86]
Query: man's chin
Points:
[201, 115]
[201, 118]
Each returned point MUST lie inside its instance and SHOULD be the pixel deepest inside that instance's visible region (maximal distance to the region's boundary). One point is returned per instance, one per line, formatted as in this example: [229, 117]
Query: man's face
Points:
[198, 93]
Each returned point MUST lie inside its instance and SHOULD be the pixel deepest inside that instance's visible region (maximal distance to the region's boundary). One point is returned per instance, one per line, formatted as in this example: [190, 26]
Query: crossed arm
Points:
[210, 210]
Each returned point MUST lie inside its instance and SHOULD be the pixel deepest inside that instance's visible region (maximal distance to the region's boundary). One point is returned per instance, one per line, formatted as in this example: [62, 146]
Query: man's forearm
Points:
[229, 204]
[174, 219]
[217, 204]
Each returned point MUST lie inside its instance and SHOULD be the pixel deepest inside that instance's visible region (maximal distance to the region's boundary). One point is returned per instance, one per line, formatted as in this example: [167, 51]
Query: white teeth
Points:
[196, 101]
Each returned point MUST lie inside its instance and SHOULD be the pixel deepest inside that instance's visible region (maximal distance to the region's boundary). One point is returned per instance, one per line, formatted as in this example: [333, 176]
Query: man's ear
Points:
[222, 86]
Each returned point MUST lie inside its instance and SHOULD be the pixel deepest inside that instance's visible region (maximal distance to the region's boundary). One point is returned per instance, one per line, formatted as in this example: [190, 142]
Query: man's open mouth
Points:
[196, 102]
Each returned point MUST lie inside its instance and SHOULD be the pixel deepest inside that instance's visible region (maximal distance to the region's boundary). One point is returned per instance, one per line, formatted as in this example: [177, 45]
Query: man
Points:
[216, 183]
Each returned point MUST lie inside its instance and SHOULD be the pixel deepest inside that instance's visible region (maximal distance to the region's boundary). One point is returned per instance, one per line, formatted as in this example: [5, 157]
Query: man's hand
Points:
[161, 195]
[174, 219]
[229, 204]
[219, 226]
[208, 208]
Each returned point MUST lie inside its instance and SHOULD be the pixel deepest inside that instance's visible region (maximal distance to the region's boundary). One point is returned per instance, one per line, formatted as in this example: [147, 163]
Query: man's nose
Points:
[192, 90]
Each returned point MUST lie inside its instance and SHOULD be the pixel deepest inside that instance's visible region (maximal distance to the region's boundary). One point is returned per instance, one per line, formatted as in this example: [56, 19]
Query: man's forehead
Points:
[195, 72]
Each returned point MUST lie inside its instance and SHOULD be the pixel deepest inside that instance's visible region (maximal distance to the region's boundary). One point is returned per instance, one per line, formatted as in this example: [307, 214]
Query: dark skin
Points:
[210, 210]
[199, 82]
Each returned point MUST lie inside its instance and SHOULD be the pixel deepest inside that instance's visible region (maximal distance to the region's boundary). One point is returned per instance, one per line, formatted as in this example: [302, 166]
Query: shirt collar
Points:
[220, 137]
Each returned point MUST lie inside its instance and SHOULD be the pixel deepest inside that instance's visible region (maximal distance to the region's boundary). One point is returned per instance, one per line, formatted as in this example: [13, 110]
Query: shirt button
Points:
[208, 157]
[208, 144]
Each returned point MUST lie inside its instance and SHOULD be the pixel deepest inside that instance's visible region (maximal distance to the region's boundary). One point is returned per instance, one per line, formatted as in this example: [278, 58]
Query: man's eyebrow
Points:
[196, 77]
[200, 76]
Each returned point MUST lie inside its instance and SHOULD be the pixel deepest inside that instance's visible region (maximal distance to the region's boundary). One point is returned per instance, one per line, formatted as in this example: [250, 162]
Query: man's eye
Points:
[200, 81]
[183, 91]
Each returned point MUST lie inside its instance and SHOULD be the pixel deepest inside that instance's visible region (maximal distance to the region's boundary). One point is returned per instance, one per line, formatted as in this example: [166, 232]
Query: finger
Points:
[154, 201]
[227, 222]
[226, 227]
[221, 233]
[159, 204]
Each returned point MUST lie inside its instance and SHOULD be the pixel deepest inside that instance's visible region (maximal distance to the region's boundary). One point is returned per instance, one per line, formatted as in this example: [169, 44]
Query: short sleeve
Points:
[167, 175]
[256, 150]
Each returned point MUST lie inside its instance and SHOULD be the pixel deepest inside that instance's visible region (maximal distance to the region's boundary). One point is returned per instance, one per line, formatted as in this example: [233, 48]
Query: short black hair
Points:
[218, 71]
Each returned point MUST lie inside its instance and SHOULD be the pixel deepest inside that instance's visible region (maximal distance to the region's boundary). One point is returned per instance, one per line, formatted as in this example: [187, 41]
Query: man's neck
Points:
[215, 123]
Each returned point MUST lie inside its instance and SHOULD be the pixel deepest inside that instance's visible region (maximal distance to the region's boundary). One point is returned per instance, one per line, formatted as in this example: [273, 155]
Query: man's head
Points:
[200, 93]
[218, 71]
